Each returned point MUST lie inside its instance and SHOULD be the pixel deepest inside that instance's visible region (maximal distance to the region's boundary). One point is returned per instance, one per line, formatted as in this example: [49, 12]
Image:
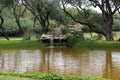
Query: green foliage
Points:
[92, 16]
[86, 28]
[116, 24]
[41, 76]
[100, 24]
[20, 44]
[10, 28]
[74, 37]
[95, 18]
[59, 16]
[42, 9]
[77, 34]
[30, 34]
[74, 13]
[73, 42]
[97, 44]
[65, 30]
[53, 23]
[26, 23]
[3, 77]
[5, 3]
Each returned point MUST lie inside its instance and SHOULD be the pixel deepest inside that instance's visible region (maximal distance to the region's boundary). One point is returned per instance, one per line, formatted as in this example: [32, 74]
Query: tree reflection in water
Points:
[112, 70]
[108, 65]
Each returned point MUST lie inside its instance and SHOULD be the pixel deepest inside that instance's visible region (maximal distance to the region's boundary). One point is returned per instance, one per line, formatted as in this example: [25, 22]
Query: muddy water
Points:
[71, 61]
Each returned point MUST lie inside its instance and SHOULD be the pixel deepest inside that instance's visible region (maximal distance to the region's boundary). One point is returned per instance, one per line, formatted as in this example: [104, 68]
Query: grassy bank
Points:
[40, 76]
[19, 44]
[97, 44]
[76, 43]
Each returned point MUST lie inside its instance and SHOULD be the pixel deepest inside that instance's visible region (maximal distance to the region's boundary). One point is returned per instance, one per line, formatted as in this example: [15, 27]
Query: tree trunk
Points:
[2, 21]
[44, 26]
[108, 24]
[108, 36]
[20, 28]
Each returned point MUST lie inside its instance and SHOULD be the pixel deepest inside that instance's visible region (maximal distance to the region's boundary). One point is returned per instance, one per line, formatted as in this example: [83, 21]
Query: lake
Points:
[63, 60]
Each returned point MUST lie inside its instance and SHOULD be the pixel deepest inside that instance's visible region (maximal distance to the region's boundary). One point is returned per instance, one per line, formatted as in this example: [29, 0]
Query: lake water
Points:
[71, 61]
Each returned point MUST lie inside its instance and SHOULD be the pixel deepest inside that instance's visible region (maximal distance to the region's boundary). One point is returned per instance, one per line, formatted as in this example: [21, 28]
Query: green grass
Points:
[3, 77]
[41, 76]
[97, 44]
[19, 44]
[77, 43]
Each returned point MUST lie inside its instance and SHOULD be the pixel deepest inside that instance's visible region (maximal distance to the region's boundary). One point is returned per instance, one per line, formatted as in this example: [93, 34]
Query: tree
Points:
[18, 11]
[2, 5]
[116, 26]
[41, 10]
[107, 7]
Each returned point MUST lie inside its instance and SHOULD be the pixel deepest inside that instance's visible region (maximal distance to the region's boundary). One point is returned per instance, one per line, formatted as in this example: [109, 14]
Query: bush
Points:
[65, 30]
[30, 34]
[26, 23]
[53, 24]
[41, 76]
[74, 37]
[10, 28]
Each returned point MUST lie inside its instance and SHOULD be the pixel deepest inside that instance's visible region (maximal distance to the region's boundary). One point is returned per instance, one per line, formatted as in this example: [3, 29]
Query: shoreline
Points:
[39, 44]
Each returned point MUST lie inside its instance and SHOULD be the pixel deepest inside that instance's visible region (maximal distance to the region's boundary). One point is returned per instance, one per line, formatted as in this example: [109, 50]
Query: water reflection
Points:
[84, 62]
[112, 65]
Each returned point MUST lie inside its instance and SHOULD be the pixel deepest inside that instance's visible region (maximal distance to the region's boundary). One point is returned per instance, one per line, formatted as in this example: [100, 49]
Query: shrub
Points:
[65, 30]
[10, 28]
[74, 37]
[30, 34]
[53, 24]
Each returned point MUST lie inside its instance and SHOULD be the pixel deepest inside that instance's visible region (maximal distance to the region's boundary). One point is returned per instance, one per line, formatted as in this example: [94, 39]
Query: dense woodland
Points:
[35, 17]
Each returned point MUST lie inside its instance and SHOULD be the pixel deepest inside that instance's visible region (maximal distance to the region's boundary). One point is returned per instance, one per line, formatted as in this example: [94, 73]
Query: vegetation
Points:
[41, 11]
[107, 7]
[18, 17]
[73, 41]
[4, 77]
[19, 44]
[41, 76]
[29, 19]
[97, 44]
[70, 43]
